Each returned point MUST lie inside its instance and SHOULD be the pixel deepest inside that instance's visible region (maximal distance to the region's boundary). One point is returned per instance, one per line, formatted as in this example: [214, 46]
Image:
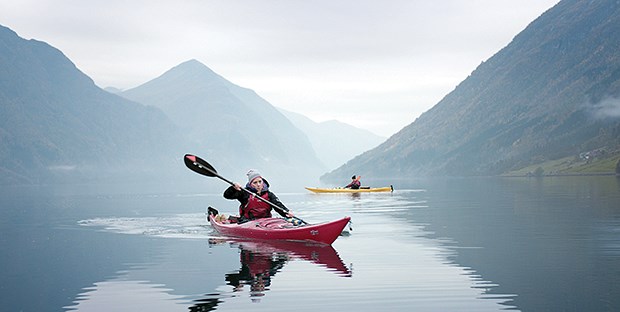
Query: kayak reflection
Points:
[261, 260]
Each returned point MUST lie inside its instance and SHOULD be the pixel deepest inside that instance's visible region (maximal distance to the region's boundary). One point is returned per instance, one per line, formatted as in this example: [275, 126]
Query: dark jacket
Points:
[355, 184]
[243, 197]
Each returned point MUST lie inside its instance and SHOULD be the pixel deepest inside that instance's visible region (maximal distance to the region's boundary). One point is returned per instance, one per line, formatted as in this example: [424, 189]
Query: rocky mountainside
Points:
[57, 125]
[553, 92]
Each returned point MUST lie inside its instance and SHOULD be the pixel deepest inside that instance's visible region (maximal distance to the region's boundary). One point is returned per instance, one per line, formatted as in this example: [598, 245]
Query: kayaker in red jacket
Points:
[355, 183]
[251, 207]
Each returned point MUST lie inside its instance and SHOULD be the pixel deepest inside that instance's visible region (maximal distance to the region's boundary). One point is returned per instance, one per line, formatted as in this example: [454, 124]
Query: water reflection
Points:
[206, 304]
[549, 244]
[257, 268]
[551, 241]
[261, 260]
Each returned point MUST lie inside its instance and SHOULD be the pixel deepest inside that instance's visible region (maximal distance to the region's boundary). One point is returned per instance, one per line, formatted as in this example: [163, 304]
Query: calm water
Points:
[549, 244]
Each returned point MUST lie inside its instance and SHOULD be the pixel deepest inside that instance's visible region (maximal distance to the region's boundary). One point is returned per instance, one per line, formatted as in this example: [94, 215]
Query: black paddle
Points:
[200, 166]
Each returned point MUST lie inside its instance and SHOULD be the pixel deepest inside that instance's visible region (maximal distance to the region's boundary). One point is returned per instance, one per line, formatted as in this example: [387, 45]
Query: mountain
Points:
[113, 90]
[56, 124]
[552, 92]
[231, 126]
[334, 142]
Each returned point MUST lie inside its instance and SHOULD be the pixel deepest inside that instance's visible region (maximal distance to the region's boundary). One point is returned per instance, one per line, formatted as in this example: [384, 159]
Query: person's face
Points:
[258, 184]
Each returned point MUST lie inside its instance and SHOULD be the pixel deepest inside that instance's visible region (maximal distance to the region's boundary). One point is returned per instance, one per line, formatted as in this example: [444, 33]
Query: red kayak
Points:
[280, 229]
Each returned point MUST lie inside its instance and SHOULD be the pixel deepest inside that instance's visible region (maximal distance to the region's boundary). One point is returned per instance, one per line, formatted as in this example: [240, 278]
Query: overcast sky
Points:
[375, 64]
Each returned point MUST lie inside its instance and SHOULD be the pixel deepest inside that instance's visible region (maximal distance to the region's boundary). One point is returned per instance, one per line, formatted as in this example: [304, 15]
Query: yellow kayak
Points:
[348, 190]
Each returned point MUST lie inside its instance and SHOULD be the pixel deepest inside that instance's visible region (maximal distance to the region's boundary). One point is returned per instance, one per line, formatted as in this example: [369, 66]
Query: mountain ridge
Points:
[56, 123]
[58, 126]
[553, 92]
[335, 142]
[531, 101]
[233, 125]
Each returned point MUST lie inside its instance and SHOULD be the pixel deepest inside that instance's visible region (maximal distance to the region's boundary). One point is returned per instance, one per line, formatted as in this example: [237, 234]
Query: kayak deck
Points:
[348, 190]
[280, 229]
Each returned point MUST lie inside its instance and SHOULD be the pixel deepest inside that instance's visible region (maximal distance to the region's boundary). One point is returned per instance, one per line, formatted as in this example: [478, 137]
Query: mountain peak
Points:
[189, 77]
[191, 70]
[192, 65]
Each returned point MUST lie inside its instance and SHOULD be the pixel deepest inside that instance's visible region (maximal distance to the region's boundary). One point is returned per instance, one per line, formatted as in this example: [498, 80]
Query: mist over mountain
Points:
[335, 142]
[551, 93]
[230, 126]
[57, 125]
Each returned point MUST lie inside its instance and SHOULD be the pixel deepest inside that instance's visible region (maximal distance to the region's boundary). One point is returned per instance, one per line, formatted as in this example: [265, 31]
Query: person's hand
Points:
[237, 186]
[290, 214]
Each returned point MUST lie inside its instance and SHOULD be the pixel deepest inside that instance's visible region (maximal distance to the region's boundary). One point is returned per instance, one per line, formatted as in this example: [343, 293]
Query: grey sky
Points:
[375, 64]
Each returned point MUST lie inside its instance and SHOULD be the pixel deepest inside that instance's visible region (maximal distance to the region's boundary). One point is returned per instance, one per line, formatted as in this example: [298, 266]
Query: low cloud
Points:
[607, 108]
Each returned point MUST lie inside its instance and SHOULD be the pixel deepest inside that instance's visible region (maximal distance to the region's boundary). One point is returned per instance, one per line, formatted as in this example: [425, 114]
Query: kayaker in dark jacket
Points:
[251, 207]
[355, 183]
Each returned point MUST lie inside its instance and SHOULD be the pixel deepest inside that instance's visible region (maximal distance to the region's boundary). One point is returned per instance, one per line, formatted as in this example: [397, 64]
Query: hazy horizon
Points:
[372, 64]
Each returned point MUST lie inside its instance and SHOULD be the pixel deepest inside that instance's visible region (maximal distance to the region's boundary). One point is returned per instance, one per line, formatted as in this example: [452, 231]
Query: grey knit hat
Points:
[252, 174]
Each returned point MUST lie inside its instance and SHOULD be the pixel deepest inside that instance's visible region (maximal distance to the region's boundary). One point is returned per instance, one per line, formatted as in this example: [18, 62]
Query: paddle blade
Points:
[200, 166]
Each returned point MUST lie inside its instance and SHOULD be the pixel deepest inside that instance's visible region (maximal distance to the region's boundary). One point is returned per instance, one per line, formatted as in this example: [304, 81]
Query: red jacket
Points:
[254, 208]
